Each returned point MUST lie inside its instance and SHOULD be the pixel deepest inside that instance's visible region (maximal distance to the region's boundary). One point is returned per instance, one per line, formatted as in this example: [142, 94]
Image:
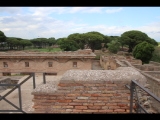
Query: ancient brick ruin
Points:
[57, 62]
[82, 90]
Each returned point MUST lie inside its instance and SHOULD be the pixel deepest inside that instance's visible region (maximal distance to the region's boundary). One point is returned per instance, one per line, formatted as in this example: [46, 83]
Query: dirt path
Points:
[96, 65]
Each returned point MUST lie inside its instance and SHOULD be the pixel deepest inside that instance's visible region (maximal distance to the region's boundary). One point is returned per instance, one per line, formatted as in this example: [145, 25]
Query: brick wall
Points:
[85, 97]
[41, 65]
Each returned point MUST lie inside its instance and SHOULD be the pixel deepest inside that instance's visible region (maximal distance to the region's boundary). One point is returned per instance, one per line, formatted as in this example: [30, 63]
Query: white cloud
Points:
[38, 23]
[113, 10]
[10, 10]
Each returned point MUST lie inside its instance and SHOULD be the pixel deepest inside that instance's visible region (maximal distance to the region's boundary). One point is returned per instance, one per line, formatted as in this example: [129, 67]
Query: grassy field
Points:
[43, 49]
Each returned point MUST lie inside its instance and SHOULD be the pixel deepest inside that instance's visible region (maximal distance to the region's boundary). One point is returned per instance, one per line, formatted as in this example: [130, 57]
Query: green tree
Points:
[134, 37]
[94, 40]
[67, 45]
[51, 41]
[143, 51]
[12, 43]
[156, 55]
[25, 43]
[2, 39]
[113, 46]
[78, 38]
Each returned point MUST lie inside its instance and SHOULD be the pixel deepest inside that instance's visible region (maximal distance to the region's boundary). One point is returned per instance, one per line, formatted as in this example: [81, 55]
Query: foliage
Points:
[2, 37]
[78, 38]
[143, 51]
[156, 55]
[67, 45]
[134, 37]
[114, 46]
[94, 40]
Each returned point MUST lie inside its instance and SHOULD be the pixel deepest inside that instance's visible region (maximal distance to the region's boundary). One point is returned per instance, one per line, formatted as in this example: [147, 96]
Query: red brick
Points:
[119, 110]
[69, 97]
[56, 107]
[64, 101]
[89, 84]
[106, 111]
[82, 98]
[94, 107]
[125, 107]
[122, 104]
[105, 95]
[117, 94]
[72, 95]
[80, 101]
[68, 107]
[69, 84]
[95, 95]
[113, 107]
[99, 103]
[74, 110]
[111, 104]
[103, 98]
[95, 101]
[51, 98]
[93, 98]
[88, 104]
[80, 107]
[64, 88]
[90, 111]
[109, 91]
[99, 84]
[110, 85]
[60, 97]
[75, 103]
[101, 88]
[63, 104]
[104, 107]
[88, 95]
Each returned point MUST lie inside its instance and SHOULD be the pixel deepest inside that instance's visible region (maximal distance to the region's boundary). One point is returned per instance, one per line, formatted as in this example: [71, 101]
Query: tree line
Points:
[139, 43]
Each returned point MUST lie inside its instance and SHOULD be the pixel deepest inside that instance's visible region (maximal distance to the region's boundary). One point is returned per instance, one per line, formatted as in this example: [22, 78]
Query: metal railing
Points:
[18, 86]
[134, 96]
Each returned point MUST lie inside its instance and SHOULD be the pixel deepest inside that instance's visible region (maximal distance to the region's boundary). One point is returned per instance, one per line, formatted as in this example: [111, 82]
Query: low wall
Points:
[109, 63]
[154, 63]
[155, 74]
[147, 67]
[86, 91]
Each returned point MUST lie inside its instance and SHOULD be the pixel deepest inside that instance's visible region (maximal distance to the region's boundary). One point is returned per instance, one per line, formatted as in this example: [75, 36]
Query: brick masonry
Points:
[83, 96]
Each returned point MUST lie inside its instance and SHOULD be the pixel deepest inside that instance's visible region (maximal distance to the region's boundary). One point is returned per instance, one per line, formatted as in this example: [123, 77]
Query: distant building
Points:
[57, 62]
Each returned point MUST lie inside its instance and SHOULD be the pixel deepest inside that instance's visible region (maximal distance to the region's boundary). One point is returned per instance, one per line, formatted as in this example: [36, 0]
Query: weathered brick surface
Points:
[97, 98]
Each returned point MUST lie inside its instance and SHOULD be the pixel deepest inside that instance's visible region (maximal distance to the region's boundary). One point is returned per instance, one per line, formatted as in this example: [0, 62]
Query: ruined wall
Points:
[147, 67]
[154, 63]
[41, 65]
[152, 83]
[155, 74]
[88, 91]
[109, 63]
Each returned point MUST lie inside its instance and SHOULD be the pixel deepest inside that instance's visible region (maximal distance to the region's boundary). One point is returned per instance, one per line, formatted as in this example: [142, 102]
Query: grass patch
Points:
[43, 49]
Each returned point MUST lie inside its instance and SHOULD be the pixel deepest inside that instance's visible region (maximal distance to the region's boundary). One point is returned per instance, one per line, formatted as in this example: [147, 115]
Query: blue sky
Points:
[58, 22]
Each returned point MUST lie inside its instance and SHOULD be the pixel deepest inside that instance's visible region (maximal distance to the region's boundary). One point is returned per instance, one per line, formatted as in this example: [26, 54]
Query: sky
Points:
[59, 22]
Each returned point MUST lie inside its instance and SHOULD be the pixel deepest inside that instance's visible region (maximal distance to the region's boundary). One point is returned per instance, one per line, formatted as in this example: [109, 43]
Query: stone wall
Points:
[154, 63]
[155, 74]
[86, 91]
[152, 83]
[147, 67]
[108, 63]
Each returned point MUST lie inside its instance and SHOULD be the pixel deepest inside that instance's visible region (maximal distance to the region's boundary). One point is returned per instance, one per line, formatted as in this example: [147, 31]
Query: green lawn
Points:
[43, 49]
